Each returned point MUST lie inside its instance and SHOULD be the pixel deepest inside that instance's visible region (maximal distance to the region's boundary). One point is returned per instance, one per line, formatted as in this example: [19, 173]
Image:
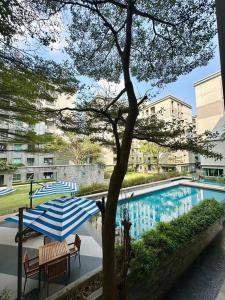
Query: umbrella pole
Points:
[31, 192]
[20, 254]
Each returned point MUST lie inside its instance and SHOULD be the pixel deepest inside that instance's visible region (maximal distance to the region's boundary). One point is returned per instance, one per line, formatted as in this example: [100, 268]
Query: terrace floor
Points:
[205, 279]
[91, 258]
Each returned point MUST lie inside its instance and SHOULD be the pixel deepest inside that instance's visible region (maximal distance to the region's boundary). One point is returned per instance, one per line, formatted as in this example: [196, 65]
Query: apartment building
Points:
[22, 155]
[211, 116]
[167, 108]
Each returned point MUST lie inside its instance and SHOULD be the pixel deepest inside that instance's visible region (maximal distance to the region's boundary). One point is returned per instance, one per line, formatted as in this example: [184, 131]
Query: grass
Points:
[19, 198]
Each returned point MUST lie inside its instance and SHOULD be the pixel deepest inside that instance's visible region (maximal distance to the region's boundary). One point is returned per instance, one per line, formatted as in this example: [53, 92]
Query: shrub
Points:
[92, 189]
[5, 294]
[158, 244]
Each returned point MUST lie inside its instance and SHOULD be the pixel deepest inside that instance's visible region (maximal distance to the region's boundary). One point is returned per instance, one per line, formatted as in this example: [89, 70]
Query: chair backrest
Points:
[56, 269]
[47, 240]
[26, 263]
[77, 242]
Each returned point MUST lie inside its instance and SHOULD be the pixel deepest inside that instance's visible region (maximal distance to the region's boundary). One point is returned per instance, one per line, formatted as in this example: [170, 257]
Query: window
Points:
[3, 147]
[184, 169]
[18, 147]
[16, 177]
[4, 133]
[48, 175]
[29, 176]
[30, 161]
[17, 161]
[48, 160]
[213, 172]
[153, 110]
[30, 147]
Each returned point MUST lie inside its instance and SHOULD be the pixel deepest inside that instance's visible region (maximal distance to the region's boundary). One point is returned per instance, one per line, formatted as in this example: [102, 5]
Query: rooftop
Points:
[168, 97]
[205, 79]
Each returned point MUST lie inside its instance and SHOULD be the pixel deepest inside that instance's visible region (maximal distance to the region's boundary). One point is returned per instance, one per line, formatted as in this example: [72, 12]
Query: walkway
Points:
[205, 280]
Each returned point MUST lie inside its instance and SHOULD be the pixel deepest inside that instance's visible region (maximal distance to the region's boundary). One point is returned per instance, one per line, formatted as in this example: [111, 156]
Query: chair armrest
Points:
[34, 258]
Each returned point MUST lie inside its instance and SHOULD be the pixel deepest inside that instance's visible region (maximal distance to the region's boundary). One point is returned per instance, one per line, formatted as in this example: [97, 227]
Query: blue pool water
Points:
[146, 210]
[212, 182]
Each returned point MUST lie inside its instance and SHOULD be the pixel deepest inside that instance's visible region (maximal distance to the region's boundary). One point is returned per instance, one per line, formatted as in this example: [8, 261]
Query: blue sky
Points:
[183, 88]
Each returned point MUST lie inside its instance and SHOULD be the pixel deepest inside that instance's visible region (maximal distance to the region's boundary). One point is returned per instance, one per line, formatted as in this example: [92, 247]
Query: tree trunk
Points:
[109, 281]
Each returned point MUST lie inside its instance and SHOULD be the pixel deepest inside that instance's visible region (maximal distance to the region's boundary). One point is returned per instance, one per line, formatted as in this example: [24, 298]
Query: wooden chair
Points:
[55, 270]
[75, 249]
[47, 240]
[31, 268]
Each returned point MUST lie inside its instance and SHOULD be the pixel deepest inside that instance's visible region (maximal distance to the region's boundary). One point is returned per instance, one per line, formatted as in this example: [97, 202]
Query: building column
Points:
[220, 14]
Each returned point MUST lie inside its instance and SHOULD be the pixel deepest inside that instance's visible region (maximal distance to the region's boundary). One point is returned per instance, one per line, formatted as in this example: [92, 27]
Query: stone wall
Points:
[82, 174]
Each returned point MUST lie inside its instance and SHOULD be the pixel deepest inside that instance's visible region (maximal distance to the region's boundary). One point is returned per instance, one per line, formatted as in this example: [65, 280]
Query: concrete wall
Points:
[211, 114]
[82, 174]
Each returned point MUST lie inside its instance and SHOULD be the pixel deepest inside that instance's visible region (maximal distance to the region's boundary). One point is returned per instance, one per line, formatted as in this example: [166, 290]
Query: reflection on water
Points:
[164, 205]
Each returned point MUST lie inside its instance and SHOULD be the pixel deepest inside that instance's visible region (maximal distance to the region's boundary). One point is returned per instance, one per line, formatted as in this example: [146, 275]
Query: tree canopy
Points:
[155, 41]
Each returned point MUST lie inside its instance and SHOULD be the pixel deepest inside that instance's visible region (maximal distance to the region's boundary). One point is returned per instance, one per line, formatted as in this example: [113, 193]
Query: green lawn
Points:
[13, 201]
[19, 198]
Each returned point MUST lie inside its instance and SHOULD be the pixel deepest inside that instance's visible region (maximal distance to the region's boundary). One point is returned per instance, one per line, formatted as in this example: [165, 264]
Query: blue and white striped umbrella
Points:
[6, 191]
[61, 217]
[53, 188]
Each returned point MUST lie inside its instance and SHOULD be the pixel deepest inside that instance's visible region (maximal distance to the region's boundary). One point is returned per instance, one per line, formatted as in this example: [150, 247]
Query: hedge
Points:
[159, 243]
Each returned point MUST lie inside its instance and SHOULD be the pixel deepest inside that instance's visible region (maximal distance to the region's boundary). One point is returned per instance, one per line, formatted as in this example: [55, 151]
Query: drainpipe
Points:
[220, 14]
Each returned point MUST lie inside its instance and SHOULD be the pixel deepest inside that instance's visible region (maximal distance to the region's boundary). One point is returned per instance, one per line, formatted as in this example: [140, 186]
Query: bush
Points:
[5, 294]
[158, 244]
[92, 189]
[132, 179]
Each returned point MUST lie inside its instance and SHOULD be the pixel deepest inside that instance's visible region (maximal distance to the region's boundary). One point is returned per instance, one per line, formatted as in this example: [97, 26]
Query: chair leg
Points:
[79, 260]
[24, 285]
[47, 288]
[39, 280]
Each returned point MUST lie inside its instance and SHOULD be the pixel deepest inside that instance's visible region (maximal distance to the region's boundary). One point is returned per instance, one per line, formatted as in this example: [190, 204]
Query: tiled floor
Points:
[91, 258]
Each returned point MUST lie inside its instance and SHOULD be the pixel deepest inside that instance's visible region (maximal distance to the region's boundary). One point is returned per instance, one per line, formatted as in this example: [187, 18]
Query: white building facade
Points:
[167, 108]
[211, 116]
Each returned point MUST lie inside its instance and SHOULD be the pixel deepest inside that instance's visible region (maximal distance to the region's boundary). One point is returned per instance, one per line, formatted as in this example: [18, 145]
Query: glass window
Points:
[16, 177]
[48, 175]
[213, 172]
[17, 161]
[2, 147]
[18, 147]
[30, 147]
[48, 160]
[153, 110]
[30, 161]
[29, 175]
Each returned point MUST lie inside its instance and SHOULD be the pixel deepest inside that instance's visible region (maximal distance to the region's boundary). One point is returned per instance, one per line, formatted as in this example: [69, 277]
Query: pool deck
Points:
[204, 185]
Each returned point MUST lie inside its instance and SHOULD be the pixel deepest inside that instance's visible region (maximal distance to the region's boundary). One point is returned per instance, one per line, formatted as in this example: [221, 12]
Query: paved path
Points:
[205, 280]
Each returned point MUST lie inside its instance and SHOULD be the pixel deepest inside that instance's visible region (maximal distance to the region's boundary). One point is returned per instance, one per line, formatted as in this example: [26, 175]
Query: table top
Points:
[52, 251]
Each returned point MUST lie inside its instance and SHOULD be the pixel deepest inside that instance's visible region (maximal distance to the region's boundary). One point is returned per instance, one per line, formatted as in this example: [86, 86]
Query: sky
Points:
[183, 88]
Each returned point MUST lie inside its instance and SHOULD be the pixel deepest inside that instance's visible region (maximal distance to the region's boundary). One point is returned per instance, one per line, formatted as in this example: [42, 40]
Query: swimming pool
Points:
[146, 210]
[212, 182]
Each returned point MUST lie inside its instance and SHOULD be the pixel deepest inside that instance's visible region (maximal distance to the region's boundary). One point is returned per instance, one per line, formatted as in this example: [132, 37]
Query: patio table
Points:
[53, 251]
